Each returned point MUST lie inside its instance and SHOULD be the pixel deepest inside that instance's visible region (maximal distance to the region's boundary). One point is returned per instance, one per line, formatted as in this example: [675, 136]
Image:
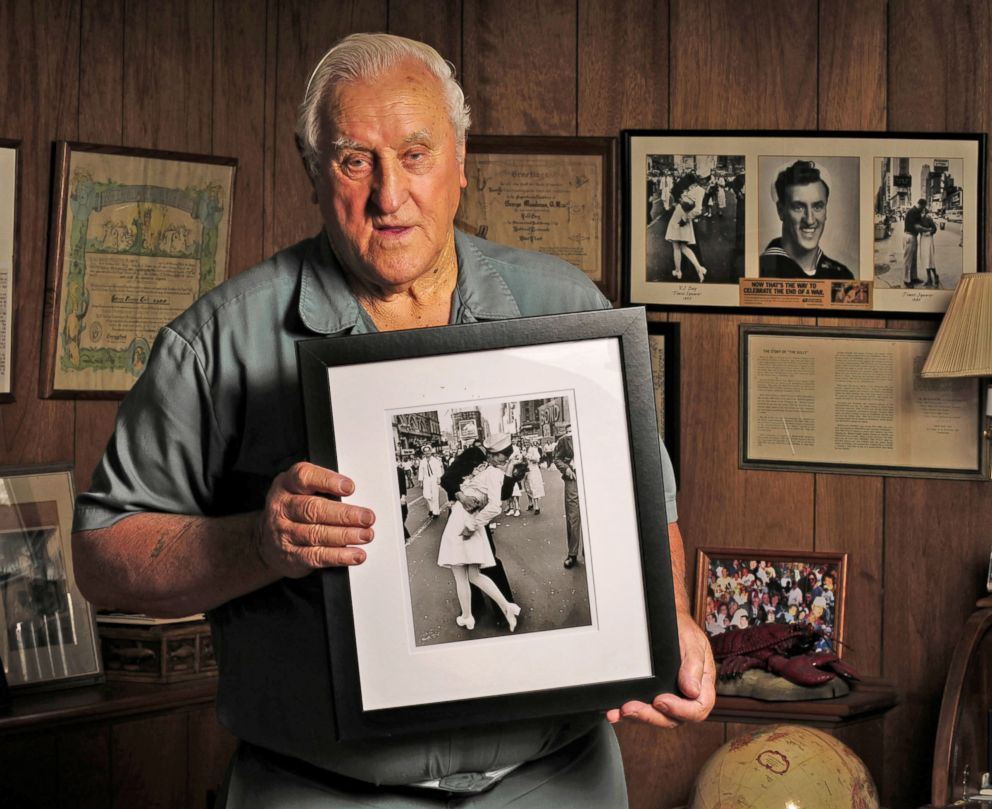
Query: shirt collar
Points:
[328, 306]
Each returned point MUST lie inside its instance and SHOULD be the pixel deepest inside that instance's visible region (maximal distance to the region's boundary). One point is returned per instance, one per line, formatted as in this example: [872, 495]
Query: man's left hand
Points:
[697, 681]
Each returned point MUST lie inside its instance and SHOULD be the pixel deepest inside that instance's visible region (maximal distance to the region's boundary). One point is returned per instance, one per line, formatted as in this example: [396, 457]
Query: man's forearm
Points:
[168, 564]
[676, 549]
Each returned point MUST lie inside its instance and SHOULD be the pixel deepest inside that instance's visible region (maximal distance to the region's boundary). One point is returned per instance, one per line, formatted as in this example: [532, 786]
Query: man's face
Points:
[390, 176]
[803, 211]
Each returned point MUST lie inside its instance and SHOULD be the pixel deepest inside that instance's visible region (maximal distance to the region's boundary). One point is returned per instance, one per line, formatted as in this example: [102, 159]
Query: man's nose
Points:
[390, 189]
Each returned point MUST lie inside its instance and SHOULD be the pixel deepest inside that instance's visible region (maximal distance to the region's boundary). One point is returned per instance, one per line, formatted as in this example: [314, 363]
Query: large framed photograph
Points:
[849, 222]
[741, 587]
[8, 256]
[137, 236]
[551, 194]
[853, 400]
[574, 607]
[47, 630]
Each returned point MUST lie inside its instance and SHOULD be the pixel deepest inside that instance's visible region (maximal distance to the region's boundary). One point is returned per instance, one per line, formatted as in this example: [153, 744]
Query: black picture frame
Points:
[664, 338]
[336, 429]
[872, 180]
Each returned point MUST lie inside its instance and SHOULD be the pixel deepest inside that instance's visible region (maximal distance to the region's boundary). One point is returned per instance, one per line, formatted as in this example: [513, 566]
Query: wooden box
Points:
[160, 653]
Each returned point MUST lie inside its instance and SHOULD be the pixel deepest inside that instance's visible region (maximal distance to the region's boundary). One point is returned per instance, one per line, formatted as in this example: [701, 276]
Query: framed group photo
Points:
[847, 222]
[737, 588]
[136, 236]
[524, 449]
[551, 194]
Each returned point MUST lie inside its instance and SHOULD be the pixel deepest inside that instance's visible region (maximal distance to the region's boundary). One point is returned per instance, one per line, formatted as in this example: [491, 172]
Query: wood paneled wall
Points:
[224, 76]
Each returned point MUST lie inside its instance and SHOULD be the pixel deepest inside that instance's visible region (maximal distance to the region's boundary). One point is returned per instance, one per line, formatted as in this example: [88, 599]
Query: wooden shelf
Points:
[107, 701]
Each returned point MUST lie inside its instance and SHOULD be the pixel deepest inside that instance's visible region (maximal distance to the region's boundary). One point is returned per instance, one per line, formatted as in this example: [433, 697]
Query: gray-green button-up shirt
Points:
[217, 414]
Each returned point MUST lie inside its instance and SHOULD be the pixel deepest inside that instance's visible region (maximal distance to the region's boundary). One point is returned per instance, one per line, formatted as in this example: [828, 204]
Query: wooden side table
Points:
[114, 745]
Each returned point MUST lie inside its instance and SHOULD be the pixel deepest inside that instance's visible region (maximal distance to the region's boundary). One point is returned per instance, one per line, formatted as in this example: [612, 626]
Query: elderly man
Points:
[801, 197]
[202, 502]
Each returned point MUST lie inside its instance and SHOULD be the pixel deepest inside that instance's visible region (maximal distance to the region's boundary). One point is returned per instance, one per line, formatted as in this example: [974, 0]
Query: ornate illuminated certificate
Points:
[142, 237]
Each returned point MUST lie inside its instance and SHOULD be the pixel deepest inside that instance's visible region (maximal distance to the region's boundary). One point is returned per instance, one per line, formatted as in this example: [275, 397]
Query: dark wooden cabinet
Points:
[114, 745]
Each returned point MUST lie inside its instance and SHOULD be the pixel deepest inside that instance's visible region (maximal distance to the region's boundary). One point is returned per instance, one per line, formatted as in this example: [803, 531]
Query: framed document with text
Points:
[407, 654]
[8, 258]
[137, 236]
[555, 195]
[853, 400]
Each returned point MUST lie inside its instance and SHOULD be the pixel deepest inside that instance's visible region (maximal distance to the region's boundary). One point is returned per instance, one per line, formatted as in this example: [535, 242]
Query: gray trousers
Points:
[586, 774]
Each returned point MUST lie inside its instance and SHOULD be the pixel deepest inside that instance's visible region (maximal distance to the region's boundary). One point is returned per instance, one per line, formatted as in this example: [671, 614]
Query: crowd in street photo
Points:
[492, 523]
[695, 229]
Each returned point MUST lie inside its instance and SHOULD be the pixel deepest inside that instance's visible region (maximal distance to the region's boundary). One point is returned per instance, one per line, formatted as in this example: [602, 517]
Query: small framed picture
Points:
[552, 194]
[516, 459]
[851, 222]
[47, 630]
[741, 587]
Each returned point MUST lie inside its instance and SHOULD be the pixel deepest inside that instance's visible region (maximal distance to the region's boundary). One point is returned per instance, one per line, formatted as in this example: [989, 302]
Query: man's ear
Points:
[306, 168]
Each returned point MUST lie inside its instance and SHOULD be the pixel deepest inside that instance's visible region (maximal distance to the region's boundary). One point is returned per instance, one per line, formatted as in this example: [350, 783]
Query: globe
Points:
[784, 767]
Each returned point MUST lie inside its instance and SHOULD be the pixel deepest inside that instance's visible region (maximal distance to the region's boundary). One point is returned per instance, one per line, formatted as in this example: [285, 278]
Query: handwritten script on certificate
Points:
[549, 203]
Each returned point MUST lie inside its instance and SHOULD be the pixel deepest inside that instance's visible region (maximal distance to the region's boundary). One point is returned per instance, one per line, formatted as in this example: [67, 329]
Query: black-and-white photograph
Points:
[695, 227]
[490, 499]
[808, 217]
[918, 222]
[34, 604]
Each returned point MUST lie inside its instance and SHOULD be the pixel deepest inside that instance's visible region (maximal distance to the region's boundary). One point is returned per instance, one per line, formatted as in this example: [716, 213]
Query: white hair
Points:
[365, 57]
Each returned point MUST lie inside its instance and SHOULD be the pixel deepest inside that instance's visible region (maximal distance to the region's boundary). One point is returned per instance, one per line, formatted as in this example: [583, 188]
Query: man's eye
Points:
[356, 165]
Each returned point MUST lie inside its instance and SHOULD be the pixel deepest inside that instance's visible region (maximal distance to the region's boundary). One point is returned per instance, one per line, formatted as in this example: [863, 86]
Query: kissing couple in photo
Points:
[475, 483]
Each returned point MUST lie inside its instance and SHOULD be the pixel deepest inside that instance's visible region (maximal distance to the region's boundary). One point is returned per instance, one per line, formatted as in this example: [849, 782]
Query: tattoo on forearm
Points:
[159, 547]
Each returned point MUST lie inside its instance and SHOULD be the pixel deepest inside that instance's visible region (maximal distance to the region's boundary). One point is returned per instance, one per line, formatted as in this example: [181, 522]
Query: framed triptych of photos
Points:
[853, 223]
[518, 459]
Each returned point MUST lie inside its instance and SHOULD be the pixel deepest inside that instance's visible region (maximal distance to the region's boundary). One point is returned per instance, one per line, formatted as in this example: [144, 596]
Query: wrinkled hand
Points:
[301, 529]
[697, 681]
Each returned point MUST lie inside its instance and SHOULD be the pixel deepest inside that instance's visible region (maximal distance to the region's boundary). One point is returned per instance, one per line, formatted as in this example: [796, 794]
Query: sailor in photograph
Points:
[464, 545]
[429, 475]
[801, 195]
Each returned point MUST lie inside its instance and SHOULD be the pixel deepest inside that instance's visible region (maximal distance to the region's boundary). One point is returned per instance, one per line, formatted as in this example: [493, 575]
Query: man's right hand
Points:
[301, 529]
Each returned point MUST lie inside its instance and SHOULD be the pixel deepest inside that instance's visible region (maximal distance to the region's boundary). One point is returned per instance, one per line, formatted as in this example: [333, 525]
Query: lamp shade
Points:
[963, 346]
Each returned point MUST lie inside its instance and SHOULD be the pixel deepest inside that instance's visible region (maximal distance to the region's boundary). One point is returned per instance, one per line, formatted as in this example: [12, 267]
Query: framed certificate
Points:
[137, 236]
[406, 654]
[555, 195]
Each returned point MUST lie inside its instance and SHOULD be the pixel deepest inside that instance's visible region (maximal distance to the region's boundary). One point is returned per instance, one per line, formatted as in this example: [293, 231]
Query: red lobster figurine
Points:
[783, 649]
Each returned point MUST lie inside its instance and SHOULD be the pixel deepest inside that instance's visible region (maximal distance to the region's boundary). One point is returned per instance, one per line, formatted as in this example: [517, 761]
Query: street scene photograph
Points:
[918, 222]
[695, 229]
[490, 499]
